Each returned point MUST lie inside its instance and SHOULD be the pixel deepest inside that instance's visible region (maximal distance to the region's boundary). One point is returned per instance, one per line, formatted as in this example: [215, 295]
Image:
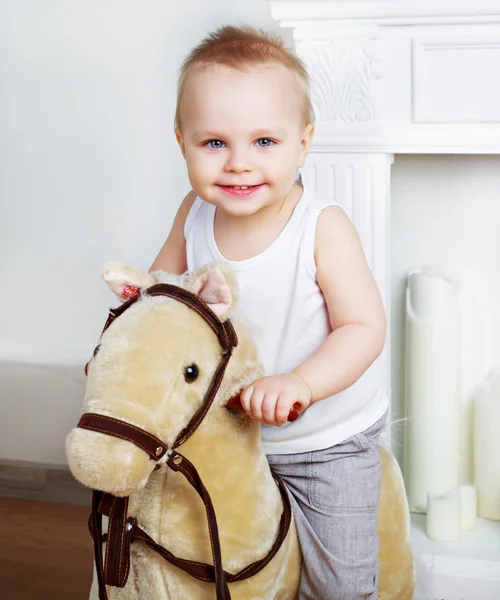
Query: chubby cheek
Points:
[203, 170]
[280, 173]
[280, 164]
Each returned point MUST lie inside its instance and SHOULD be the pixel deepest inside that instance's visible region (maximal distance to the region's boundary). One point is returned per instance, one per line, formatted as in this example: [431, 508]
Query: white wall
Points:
[90, 171]
[446, 209]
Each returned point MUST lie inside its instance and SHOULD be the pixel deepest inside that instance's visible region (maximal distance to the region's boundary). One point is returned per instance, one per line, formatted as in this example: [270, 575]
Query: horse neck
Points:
[232, 464]
[247, 502]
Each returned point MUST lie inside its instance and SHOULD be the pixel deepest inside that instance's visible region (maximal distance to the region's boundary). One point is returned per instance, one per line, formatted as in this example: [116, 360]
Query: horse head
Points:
[152, 369]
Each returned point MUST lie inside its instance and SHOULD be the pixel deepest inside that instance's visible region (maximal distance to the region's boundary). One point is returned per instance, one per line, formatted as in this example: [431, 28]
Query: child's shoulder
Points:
[334, 227]
[315, 200]
[324, 210]
[331, 229]
[338, 251]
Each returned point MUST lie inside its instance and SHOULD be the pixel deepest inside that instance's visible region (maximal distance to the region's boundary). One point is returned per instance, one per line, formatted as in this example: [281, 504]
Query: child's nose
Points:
[238, 162]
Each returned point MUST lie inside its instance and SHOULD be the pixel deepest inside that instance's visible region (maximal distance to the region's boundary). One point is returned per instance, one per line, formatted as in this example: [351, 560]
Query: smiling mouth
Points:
[241, 187]
[240, 190]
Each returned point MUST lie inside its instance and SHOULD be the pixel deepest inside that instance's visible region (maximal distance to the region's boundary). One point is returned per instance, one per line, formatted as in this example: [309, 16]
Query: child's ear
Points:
[305, 143]
[125, 282]
[180, 141]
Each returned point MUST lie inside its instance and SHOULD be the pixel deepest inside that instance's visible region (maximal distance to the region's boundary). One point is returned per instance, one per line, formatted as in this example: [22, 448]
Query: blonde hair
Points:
[243, 46]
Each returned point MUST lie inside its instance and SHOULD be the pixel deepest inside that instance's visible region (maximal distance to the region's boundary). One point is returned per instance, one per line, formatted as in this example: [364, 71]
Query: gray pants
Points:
[335, 494]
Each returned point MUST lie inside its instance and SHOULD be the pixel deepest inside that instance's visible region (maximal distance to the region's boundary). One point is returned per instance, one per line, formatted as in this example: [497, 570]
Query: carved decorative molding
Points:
[343, 75]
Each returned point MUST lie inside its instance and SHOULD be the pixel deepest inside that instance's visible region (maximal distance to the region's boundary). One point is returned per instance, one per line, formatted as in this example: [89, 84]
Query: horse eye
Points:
[97, 349]
[191, 373]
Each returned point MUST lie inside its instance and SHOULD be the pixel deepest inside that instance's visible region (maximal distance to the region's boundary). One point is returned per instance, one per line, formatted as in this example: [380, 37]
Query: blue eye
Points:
[215, 144]
[265, 142]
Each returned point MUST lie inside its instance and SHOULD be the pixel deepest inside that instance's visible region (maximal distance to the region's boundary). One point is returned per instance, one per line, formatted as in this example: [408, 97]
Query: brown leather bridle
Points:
[123, 529]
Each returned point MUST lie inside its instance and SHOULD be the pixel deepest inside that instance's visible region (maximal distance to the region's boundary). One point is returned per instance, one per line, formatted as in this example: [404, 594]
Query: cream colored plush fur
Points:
[137, 376]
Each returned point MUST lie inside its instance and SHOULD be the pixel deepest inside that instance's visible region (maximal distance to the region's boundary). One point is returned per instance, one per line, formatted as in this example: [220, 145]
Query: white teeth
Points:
[241, 187]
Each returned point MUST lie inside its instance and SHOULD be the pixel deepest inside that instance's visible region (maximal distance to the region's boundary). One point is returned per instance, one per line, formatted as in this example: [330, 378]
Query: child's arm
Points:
[172, 256]
[354, 306]
[358, 327]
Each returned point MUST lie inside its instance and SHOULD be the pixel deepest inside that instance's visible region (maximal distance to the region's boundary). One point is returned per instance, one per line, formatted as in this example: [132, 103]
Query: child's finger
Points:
[256, 404]
[245, 399]
[282, 409]
[269, 408]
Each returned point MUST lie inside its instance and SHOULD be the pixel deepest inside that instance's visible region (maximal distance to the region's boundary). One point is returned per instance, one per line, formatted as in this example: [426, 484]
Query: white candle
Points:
[487, 448]
[433, 354]
[468, 506]
[443, 521]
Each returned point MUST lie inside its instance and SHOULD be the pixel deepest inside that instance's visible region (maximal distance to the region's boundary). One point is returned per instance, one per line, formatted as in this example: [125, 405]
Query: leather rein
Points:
[113, 565]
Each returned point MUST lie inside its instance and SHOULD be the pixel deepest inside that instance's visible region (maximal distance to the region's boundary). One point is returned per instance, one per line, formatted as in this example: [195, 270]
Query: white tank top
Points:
[282, 306]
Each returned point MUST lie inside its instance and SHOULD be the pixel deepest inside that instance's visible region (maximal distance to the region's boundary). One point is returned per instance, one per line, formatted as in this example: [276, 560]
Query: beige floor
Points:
[45, 551]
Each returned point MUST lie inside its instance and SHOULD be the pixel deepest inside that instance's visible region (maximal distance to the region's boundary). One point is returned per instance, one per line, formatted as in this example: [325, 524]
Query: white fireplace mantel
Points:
[391, 77]
[401, 76]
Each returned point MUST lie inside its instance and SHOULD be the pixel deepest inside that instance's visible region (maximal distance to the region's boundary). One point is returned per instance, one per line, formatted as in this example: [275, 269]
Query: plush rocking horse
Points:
[190, 508]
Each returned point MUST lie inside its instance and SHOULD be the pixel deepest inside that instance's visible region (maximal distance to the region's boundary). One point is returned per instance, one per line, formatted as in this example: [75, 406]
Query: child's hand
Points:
[270, 399]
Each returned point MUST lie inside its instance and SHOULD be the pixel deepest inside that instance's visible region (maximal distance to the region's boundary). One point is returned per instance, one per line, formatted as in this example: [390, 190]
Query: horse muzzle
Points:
[106, 463]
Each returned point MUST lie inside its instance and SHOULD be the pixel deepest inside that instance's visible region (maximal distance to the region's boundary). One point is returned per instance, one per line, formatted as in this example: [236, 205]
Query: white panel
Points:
[456, 80]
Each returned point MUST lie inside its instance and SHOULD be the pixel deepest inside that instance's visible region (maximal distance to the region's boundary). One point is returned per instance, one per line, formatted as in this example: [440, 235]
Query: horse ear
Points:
[216, 287]
[125, 282]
